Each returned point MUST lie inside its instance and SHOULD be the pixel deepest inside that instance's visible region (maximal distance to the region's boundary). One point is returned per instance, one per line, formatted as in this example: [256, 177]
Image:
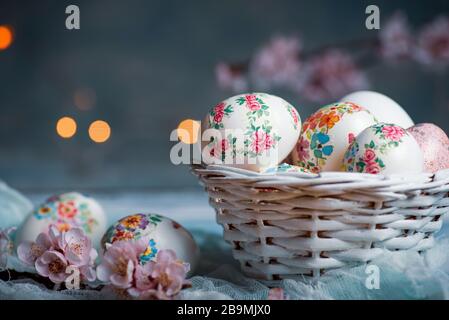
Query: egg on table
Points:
[252, 131]
[65, 211]
[163, 234]
[384, 148]
[327, 134]
[382, 107]
[434, 144]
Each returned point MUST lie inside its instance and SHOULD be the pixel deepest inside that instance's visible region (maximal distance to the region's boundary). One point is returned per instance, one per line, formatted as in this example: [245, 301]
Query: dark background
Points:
[149, 64]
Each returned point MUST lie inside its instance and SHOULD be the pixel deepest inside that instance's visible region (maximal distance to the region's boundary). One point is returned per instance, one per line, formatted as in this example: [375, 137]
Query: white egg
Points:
[384, 148]
[65, 211]
[286, 168]
[327, 134]
[252, 131]
[382, 107]
[163, 232]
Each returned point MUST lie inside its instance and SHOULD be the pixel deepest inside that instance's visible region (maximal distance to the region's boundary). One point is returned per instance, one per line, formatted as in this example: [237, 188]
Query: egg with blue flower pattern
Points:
[327, 134]
[162, 234]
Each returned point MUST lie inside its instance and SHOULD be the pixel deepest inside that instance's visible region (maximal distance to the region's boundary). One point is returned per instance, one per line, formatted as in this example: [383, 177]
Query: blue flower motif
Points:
[149, 253]
[318, 145]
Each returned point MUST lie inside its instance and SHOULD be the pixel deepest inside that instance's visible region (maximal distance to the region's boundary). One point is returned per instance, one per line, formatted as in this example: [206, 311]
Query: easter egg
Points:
[65, 211]
[163, 234]
[251, 131]
[434, 145]
[14, 207]
[384, 148]
[382, 107]
[327, 134]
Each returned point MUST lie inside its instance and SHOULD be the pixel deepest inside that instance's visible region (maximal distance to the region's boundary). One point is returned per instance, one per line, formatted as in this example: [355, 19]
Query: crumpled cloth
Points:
[14, 207]
[402, 275]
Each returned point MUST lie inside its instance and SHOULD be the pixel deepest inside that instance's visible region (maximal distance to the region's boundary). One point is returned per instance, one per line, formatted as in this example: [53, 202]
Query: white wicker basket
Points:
[288, 225]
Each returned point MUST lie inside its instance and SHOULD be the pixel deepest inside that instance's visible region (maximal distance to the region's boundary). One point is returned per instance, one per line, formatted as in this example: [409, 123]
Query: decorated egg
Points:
[434, 145]
[163, 234]
[327, 134]
[252, 131]
[65, 211]
[384, 148]
[382, 107]
[285, 167]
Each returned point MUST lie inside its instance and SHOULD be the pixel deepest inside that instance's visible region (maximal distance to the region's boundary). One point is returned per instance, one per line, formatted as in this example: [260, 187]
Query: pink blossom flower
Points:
[53, 265]
[331, 75]
[229, 78]
[276, 294]
[303, 149]
[394, 133]
[433, 42]
[5, 246]
[219, 112]
[160, 279]
[395, 38]
[261, 141]
[120, 261]
[277, 63]
[29, 251]
[252, 103]
[55, 250]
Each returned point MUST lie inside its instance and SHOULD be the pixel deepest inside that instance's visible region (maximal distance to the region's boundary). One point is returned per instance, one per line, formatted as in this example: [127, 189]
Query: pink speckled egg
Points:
[434, 144]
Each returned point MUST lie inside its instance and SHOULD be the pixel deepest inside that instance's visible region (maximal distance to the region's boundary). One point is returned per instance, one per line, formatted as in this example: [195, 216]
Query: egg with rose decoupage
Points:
[384, 148]
[327, 133]
[65, 211]
[253, 131]
[161, 232]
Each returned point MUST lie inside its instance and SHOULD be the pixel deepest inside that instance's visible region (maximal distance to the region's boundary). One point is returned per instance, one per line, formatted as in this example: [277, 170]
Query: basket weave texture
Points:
[287, 225]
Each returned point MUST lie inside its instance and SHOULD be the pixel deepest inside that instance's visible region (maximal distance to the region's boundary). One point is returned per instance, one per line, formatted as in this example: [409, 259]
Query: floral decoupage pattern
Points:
[134, 227]
[258, 135]
[67, 211]
[388, 136]
[315, 145]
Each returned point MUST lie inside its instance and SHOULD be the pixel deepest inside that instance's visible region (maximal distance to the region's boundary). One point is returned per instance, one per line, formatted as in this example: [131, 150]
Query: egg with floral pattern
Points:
[65, 211]
[327, 134]
[162, 233]
[434, 144]
[252, 131]
[384, 148]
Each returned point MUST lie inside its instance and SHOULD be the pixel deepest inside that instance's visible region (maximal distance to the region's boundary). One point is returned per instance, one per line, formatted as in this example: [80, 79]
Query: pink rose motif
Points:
[303, 149]
[67, 209]
[220, 148]
[373, 168]
[369, 156]
[252, 103]
[351, 138]
[219, 112]
[261, 142]
[393, 133]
